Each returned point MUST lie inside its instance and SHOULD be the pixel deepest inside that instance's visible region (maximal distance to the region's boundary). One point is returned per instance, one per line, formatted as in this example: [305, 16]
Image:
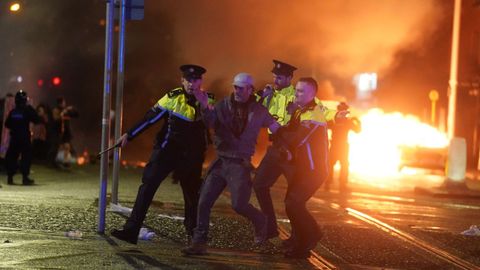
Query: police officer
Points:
[277, 101]
[276, 98]
[339, 147]
[18, 121]
[299, 152]
[180, 147]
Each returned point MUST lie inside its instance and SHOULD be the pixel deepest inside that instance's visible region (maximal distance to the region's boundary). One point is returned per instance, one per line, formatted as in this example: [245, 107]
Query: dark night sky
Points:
[406, 41]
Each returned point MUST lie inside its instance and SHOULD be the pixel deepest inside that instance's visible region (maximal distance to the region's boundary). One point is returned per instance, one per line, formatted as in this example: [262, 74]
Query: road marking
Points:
[442, 254]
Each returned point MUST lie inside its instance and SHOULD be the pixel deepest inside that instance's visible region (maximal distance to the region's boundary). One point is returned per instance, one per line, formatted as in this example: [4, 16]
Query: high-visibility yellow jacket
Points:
[184, 122]
[305, 137]
[278, 101]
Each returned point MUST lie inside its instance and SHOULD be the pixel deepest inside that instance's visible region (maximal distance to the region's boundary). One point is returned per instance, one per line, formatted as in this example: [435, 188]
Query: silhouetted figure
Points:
[61, 132]
[339, 147]
[18, 121]
[39, 134]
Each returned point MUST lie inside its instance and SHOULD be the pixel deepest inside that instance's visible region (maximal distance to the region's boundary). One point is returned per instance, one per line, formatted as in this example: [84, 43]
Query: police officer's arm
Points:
[207, 108]
[269, 121]
[330, 115]
[209, 114]
[267, 91]
[356, 125]
[301, 134]
[151, 116]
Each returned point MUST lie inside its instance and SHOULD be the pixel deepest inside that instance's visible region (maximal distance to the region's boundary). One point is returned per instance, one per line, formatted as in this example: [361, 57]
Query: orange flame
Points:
[375, 152]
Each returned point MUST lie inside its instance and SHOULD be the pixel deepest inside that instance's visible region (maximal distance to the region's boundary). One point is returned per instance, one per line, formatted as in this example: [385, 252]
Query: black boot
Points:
[10, 180]
[125, 235]
[297, 252]
[27, 181]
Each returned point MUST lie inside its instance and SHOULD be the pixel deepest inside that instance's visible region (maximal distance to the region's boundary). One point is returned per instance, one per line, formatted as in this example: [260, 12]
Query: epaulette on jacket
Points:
[323, 108]
[175, 92]
[211, 96]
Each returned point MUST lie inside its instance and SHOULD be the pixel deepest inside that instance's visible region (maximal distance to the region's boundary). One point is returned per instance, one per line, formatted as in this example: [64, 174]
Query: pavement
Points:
[35, 219]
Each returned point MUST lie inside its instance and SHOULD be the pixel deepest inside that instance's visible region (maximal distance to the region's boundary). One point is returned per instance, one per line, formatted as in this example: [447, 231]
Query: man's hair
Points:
[311, 81]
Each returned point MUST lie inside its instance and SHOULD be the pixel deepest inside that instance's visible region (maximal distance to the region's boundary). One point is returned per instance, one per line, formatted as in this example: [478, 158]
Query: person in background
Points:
[18, 122]
[339, 147]
[61, 132]
[39, 134]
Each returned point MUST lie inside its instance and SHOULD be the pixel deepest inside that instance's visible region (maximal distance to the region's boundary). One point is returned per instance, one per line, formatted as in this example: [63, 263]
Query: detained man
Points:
[236, 120]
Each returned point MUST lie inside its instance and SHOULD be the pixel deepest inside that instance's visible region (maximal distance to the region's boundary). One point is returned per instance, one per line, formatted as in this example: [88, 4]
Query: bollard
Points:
[457, 161]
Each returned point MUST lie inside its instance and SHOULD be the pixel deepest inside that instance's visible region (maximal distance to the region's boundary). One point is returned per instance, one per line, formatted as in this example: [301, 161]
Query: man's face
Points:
[281, 81]
[191, 84]
[304, 93]
[242, 94]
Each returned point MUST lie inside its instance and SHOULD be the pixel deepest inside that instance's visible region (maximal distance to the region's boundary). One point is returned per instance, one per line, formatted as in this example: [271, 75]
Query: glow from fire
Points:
[375, 151]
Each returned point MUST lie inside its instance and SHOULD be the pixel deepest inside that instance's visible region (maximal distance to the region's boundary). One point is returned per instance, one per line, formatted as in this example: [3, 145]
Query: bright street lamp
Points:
[14, 7]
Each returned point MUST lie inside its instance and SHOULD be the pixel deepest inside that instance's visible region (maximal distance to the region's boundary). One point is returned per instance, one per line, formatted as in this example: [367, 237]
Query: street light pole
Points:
[119, 99]
[452, 95]
[107, 87]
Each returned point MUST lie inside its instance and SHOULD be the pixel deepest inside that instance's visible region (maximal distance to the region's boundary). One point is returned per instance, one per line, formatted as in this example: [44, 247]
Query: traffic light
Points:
[56, 81]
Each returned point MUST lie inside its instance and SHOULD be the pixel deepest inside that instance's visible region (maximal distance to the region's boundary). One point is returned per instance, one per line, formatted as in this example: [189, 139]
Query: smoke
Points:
[322, 38]
[330, 40]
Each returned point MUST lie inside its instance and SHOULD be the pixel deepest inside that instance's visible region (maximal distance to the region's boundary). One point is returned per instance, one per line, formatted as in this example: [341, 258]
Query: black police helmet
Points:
[21, 98]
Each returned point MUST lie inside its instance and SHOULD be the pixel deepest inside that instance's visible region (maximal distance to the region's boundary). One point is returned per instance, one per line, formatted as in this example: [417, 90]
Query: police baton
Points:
[109, 149]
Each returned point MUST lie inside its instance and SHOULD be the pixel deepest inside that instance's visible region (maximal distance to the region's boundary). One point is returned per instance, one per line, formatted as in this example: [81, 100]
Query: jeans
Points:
[233, 173]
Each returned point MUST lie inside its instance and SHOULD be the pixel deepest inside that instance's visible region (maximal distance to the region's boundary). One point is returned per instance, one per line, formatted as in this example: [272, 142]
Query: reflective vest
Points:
[177, 104]
[277, 105]
[184, 122]
[305, 135]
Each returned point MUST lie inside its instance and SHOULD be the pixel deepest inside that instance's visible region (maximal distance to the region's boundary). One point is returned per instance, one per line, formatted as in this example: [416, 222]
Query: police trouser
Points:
[16, 148]
[299, 191]
[271, 167]
[234, 173]
[187, 168]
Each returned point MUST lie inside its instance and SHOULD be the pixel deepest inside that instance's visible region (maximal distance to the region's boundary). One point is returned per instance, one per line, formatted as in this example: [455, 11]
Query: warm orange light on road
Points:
[375, 153]
[15, 7]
